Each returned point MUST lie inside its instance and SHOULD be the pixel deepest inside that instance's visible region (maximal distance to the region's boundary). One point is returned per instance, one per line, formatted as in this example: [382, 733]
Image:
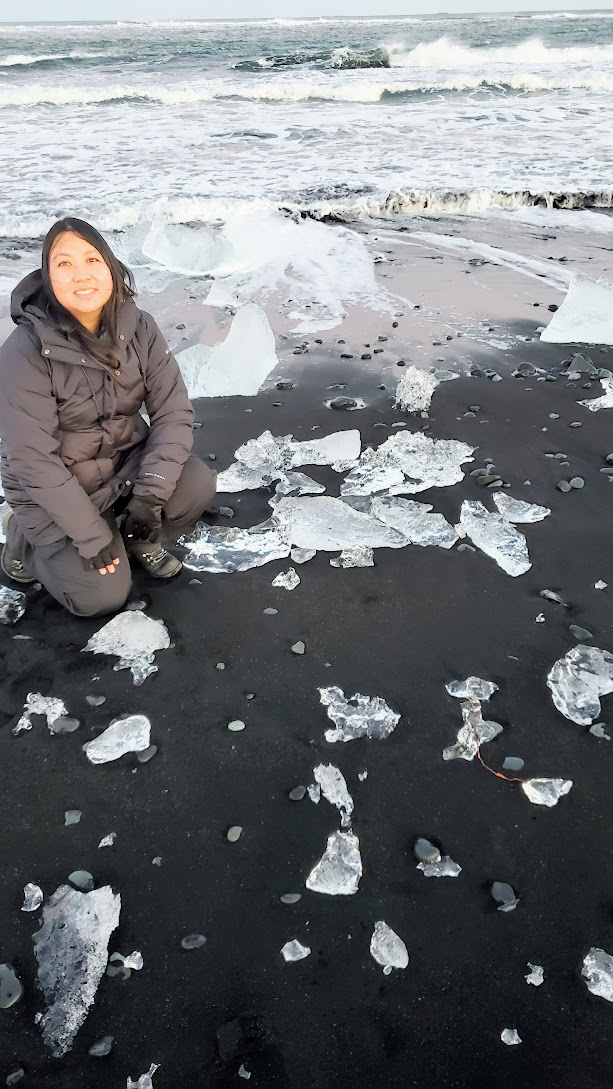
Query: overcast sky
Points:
[251, 9]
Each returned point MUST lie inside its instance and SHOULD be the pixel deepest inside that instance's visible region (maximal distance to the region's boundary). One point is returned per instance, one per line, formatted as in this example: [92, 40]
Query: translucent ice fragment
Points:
[598, 730]
[551, 595]
[11, 988]
[220, 549]
[193, 941]
[269, 457]
[504, 895]
[388, 949]
[72, 949]
[239, 365]
[240, 478]
[354, 557]
[496, 537]
[32, 897]
[359, 716]
[314, 792]
[598, 973]
[133, 961]
[123, 735]
[446, 867]
[475, 732]
[578, 680]
[536, 975]
[546, 791]
[294, 950]
[101, 1048]
[292, 483]
[145, 1081]
[606, 401]
[334, 789]
[510, 1036]
[36, 704]
[473, 688]
[244, 1073]
[600, 585]
[407, 463]
[72, 816]
[516, 510]
[327, 524]
[414, 521]
[12, 605]
[302, 555]
[287, 580]
[109, 840]
[414, 390]
[339, 870]
[134, 638]
[425, 851]
[585, 316]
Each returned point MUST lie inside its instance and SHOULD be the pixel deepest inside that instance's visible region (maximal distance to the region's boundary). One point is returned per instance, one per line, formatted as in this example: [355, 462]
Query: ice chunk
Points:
[134, 638]
[72, 816]
[293, 483]
[606, 401]
[294, 950]
[598, 973]
[12, 605]
[496, 537]
[414, 390]
[240, 478]
[244, 1073]
[598, 730]
[551, 595]
[334, 789]
[473, 688]
[239, 365]
[408, 463]
[129, 734]
[388, 949]
[218, 549]
[354, 557]
[36, 704]
[33, 897]
[504, 895]
[414, 521]
[269, 457]
[187, 251]
[287, 580]
[145, 1081]
[578, 680]
[339, 870]
[72, 948]
[11, 988]
[132, 961]
[314, 792]
[546, 791]
[64, 725]
[510, 1036]
[600, 585]
[327, 524]
[445, 867]
[536, 975]
[359, 716]
[109, 840]
[585, 316]
[517, 510]
[302, 555]
[474, 733]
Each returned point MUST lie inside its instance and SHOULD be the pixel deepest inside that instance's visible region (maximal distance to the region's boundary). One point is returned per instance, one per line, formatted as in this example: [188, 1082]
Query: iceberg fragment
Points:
[361, 556]
[536, 975]
[473, 688]
[294, 950]
[327, 524]
[339, 870]
[510, 1036]
[239, 365]
[222, 550]
[578, 680]
[414, 521]
[334, 789]
[269, 457]
[546, 791]
[504, 895]
[495, 536]
[517, 510]
[408, 462]
[388, 949]
[36, 704]
[132, 733]
[474, 733]
[302, 555]
[444, 867]
[358, 716]
[12, 605]
[134, 638]
[287, 580]
[414, 390]
[32, 897]
[72, 949]
[606, 401]
[145, 1080]
[11, 987]
[585, 316]
[598, 973]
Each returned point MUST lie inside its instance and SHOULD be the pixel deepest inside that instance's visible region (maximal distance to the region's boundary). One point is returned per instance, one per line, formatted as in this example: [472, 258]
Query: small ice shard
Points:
[504, 895]
[72, 816]
[598, 973]
[510, 1036]
[334, 789]
[134, 638]
[546, 791]
[287, 580]
[302, 555]
[82, 879]
[388, 949]
[516, 510]
[585, 316]
[223, 550]
[129, 734]
[327, 524]
[600, 585]
[425, 851]
[339, 870]
[606, 401]
[234, 833]
[32, 897]
[133, 961]
[72, 950]
[578, 680]
[294, 950]
[551, 595]
[362, 776]
[239, 365]
[101, 1048]
[512, 763]
[407, 463]
[193, 941]
[598, 730]
[536, 975]
[269, 457]
[145, 1081]
[11, 988]
[36, 704]
[15, 1076]
[540, 619]
[361, 556]
[293, 483]
[64, 725]
[290, 897]
[157, 861]
[475, 732]
[109, 840]
[244, 1073]
[473, 688]
[359, 716]
[414, 390]
[496, 537]
[12, 605]
[446, 867]
[314, 792]
[414, 521]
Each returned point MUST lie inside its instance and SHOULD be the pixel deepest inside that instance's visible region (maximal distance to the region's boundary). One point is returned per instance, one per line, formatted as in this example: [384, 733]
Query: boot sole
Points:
[20, 582]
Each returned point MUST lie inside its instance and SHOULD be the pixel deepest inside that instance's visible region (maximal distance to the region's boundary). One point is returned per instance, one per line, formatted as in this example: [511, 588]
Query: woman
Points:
[76, 452]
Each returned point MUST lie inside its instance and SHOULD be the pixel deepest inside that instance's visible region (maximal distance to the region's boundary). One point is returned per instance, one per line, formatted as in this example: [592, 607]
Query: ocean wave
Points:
[341, 58]
[19, 60]
[446, 53]
[573, 15]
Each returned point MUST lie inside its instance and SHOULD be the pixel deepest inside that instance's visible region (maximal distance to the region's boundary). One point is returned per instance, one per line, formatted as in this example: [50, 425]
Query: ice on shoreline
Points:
[239, 365]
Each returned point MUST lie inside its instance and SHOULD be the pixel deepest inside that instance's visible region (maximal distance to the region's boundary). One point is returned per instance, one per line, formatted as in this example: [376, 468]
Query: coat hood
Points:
[28, 300]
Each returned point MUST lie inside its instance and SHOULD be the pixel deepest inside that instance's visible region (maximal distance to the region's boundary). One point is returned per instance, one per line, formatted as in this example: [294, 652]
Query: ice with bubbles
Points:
[134, 638]
[387, 948]
[578, 680]
[357, 716]
[339, 870]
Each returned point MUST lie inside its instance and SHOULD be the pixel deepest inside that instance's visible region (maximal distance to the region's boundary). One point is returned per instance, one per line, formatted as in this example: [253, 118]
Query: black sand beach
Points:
[402, 629]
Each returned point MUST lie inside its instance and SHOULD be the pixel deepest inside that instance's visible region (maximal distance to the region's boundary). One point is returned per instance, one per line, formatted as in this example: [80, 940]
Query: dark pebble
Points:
[285, 383]
[343, 402]
[340, 342]
[181, 326]
[609, 458]
[394, 325]
[579, 633]
[277, 404]
[401, 363]
[226, 512]
[449, 337]
[319, 341]
[366, 355]
[576, 423]
[377, 351]
[487, 479]
[552, 307]
[563, 486]
[346, 355]
[382, 387]
[212, 457]
[381, 339]
[437, 343]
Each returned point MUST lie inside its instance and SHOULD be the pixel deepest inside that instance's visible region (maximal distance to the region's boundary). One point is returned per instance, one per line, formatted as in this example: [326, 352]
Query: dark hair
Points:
[104, 346]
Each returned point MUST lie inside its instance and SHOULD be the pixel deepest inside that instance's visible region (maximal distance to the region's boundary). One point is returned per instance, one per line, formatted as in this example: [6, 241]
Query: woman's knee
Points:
[195, 491]
[107, 595]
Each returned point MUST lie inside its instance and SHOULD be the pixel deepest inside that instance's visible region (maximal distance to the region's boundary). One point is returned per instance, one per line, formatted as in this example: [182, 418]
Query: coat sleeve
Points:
[29, 429]
[171, 415]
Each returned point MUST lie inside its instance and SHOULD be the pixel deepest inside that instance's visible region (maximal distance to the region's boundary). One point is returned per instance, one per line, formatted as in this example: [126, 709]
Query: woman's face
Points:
[80, 278]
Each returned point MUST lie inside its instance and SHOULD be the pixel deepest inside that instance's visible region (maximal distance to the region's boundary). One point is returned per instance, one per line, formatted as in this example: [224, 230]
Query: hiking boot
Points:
[11, 565]
[155, 559]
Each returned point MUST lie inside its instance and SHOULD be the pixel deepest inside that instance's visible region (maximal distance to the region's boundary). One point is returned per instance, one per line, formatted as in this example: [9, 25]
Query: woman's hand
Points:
[104, 562]
[144, 520]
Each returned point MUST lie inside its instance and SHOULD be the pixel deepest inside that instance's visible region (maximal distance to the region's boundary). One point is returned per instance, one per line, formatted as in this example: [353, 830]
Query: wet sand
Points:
[420, 618]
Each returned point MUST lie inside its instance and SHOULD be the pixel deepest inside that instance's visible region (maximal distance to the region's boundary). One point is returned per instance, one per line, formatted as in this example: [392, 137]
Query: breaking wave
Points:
[445, 53]
[21, 60]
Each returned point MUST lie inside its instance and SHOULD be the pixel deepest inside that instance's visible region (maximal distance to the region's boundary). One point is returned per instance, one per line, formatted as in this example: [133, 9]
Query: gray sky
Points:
[250, 9]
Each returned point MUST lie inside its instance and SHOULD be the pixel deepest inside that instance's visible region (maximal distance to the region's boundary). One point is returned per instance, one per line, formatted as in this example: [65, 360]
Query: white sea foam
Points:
[446, 53]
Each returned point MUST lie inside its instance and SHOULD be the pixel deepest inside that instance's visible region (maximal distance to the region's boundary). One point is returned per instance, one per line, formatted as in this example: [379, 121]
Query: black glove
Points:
[106, 558]
[144, 521]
